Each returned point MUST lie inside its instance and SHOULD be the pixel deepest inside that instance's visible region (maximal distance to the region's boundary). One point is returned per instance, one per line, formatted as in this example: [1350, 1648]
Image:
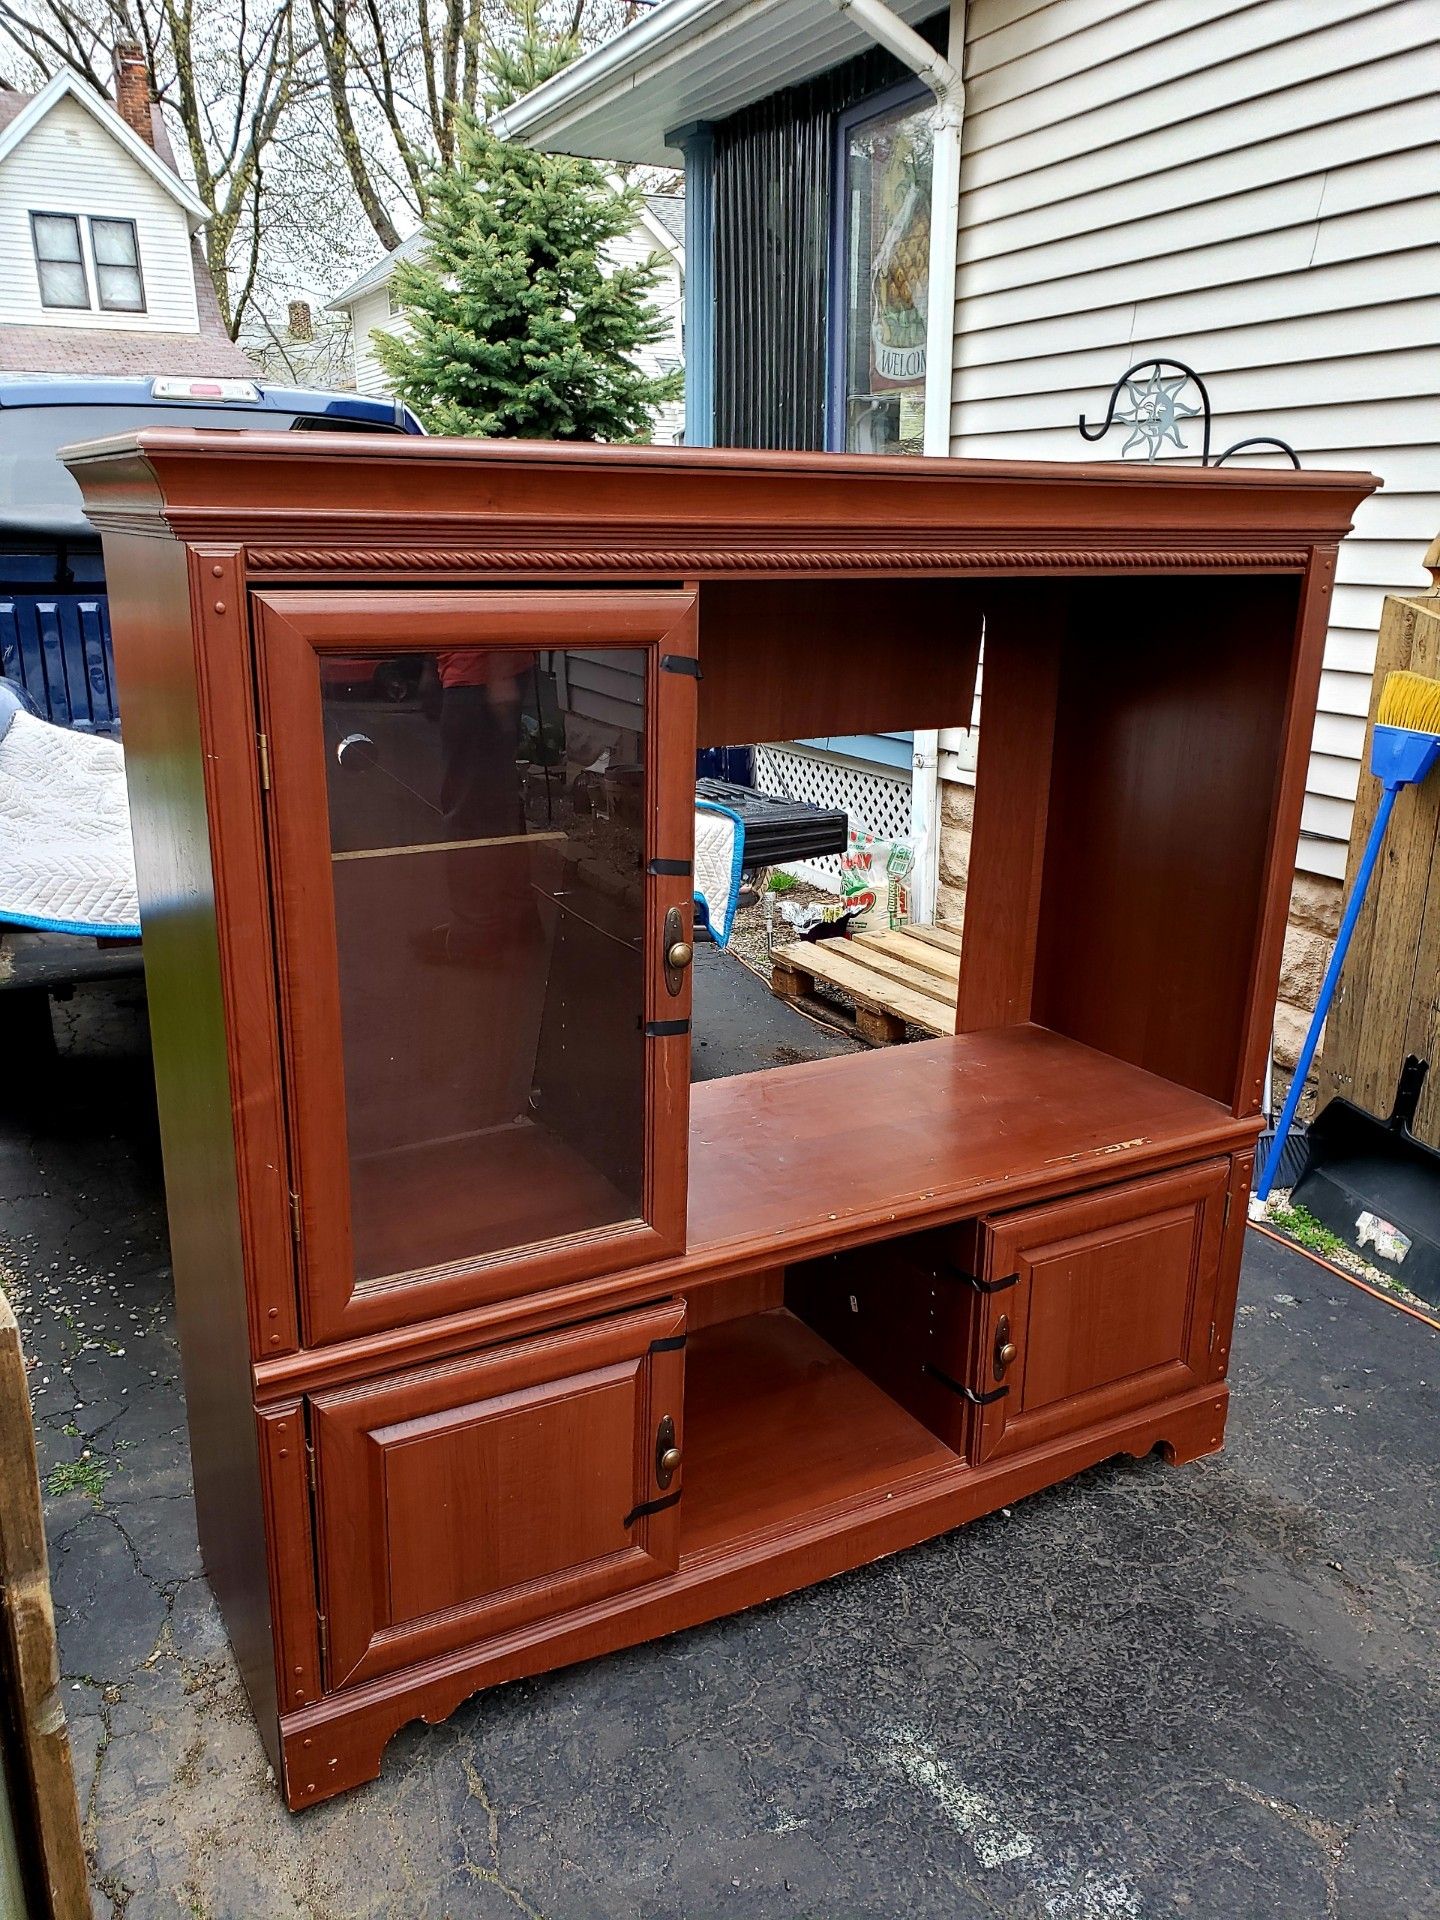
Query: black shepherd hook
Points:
[1157, 408]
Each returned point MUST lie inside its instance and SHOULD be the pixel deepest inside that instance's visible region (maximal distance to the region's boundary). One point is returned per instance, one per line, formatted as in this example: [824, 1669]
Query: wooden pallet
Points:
[893, 979]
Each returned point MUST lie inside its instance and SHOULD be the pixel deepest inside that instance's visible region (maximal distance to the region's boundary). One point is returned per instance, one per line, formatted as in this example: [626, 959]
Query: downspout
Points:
[942, 74]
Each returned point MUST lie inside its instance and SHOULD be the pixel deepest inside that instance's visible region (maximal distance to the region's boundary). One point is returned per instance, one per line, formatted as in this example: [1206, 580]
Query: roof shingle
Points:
[96, 350]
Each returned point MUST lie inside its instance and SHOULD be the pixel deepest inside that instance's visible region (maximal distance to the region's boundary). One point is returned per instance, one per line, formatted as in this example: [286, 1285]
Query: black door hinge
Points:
[983, 1286]
[966, 1393]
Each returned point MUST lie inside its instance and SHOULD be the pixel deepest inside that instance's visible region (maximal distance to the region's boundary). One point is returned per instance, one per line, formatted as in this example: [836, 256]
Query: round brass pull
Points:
[679, 956]
[670, 1460]
[1005, 1348]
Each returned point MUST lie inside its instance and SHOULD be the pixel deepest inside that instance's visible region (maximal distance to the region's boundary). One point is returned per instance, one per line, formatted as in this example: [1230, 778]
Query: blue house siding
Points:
[881, 749]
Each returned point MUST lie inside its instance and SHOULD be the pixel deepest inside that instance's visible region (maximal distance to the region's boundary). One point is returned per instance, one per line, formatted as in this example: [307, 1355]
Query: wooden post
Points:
[1388, 1004]
[29, 1657]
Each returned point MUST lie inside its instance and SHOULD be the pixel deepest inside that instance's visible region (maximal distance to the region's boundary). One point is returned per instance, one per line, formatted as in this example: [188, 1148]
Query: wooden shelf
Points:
[448, 846]
[476, 1194]
[779, 1428]
[839, 1148]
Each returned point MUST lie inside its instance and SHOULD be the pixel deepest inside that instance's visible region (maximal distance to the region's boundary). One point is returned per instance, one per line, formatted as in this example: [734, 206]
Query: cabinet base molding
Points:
[340, 1742]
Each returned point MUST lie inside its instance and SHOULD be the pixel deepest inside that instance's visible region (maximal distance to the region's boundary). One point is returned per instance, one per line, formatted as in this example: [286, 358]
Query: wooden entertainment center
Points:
[503, 1346]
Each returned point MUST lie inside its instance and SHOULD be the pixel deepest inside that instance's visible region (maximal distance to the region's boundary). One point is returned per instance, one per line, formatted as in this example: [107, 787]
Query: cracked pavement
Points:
[1150, 1692]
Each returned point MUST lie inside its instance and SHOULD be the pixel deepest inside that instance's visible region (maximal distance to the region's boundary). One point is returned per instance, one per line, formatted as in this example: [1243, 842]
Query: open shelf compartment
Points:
[780, 1429]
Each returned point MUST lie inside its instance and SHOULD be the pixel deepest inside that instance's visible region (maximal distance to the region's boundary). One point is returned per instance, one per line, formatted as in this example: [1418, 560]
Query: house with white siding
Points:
[660, 229]
[952, 229]
[101, 270]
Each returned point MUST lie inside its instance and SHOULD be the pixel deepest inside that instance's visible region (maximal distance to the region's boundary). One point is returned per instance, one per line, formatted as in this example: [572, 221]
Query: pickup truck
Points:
[55, 653]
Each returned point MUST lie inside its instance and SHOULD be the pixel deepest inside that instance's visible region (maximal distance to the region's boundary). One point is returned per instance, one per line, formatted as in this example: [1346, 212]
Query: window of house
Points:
[60, 260]
[880, 274]
[117, 266]
[68, 267]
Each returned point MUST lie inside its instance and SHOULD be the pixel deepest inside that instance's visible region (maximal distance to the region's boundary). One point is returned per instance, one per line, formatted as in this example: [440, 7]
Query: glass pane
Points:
[57, 236]
[62, 285]
[487, 826]
[120, 289]
[114, 242]
[887, 253]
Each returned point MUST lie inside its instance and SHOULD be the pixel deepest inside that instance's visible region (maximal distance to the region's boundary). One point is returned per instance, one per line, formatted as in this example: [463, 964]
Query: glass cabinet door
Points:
[487, 1059]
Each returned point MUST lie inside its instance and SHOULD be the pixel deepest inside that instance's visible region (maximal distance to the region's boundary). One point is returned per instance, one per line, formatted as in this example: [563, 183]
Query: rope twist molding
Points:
[756, 559]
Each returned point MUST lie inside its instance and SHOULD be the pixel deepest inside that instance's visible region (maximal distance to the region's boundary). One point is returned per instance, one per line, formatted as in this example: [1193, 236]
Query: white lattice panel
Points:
[875, 800]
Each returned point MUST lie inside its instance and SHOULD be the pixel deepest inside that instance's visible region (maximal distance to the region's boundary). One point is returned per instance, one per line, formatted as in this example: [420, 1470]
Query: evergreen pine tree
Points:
[515, 329]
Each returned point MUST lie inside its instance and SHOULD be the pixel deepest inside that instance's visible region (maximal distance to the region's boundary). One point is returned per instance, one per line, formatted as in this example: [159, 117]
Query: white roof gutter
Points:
[679, 23]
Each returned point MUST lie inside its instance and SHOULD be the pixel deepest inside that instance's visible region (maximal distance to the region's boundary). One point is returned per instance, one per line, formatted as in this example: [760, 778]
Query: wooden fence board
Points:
[1388, 1003]
[31, 1659]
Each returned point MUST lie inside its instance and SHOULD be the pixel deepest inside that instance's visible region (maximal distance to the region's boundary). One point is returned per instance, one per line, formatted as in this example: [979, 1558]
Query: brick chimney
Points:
[132, 89]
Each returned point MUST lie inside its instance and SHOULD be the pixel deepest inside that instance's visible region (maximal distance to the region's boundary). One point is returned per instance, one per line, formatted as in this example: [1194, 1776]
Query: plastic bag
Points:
[875, 881]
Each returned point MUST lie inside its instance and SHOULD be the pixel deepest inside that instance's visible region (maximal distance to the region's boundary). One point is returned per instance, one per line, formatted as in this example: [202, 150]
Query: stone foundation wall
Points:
[1309, 937]
[957, 814]
[1314, 918]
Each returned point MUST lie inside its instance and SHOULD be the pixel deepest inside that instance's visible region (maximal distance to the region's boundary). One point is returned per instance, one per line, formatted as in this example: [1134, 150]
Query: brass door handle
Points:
[667, 1454]
[1006, 1351]
[677, 950]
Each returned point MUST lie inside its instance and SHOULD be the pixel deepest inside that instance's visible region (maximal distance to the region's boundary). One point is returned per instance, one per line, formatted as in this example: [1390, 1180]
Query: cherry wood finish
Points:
[898, 1312]
[817, 1435]
[1012, 808]
[1162, 799]
[926, 631]
[460, 1501]
[414, 1489]
[341, 1742]
[1111, 1305]
[292, 632]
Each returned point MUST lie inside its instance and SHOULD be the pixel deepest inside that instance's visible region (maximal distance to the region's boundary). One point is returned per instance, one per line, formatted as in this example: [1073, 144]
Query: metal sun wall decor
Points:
[1152, 399]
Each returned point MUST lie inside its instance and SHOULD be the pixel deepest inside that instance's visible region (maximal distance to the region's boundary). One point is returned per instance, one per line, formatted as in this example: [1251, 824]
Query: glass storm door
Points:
[487, 1055]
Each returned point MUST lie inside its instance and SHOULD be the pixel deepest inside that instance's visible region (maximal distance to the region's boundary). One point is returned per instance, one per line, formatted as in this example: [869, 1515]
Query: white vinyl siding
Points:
[70, 164]
[1252, 186]
[668, 298]
[370, 315]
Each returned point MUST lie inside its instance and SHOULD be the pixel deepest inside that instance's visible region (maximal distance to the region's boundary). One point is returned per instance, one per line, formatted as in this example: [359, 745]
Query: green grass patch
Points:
[1306, 1231]
[87, 1475]
[779, 882]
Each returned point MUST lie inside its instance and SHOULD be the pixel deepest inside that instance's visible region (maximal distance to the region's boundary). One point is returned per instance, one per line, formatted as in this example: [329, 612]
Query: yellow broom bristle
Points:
[1410, 700]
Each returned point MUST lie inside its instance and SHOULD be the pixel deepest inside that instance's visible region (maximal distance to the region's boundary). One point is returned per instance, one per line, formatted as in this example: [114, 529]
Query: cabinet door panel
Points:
[468, 793]
[1110, 1306]
[461, 1501]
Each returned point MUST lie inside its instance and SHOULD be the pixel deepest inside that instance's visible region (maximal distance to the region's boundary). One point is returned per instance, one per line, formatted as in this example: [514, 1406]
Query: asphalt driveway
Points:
[1210, 1691]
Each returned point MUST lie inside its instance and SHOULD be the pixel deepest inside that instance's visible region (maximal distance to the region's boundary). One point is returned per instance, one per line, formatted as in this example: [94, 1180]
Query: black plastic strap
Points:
[651, 1506]
[966, 1393]
[680, 663]
[983, 1286]
[672, 1343]
[665, 1029]
[671, 869]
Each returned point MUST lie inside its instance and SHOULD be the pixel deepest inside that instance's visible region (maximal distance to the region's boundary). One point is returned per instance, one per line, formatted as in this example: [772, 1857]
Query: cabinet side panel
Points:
[1024, 631]
[147, 580]
[1170, 733]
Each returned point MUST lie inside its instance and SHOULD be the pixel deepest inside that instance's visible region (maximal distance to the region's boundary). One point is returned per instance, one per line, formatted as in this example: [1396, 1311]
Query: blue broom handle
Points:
[1327, 990]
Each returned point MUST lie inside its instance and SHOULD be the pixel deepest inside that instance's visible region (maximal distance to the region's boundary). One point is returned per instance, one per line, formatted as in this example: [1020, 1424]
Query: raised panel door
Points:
[1096, 1306]
[458, 1502]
